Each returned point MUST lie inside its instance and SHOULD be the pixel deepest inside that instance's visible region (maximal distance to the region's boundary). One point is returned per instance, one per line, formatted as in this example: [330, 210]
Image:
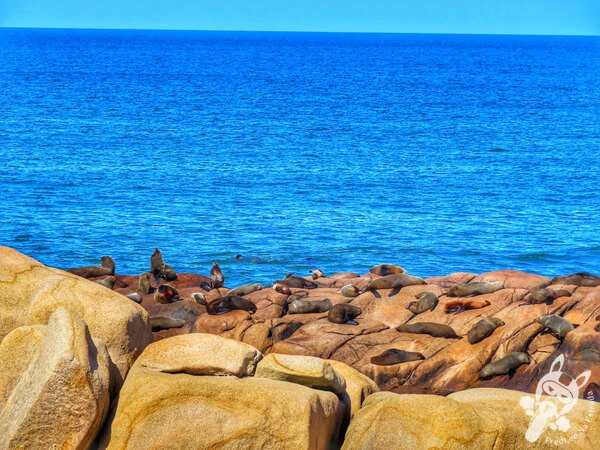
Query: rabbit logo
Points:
[550, 412]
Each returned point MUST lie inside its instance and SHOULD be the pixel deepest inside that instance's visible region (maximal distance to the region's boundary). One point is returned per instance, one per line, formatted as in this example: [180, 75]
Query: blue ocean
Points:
[440, 153]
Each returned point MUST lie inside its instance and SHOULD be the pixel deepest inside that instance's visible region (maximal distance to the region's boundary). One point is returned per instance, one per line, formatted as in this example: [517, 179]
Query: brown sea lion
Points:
[544, 295]
[228, 303]
[165, 294]
[478, 288]
[427, 301]
[298, 295]
[393, 356]
[559, 325]
[107, 282]
[458, 306]
[165, 323]
[246, 289]
[317, 274]
[281, 288]
[144, 286]
[430, 328]
[483, 329]
[135, 297]
[349, 291]
[504, 365]
[156, 263]
[216, 276]
[200, 298]
[343, 313]
[578, 279]
[168, 273]
[398, 280]
[297, 282]
[106, 267]
[309, 306]
[386, 269]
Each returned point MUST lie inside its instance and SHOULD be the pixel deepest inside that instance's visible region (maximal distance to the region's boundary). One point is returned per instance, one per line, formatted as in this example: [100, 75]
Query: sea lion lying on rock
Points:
[427, 301]
[308, 306]
[395, 281]
[458, 306]
[317, 274]
[166, 294]
[478, 288]
[293, 281]
[386, 269]
[395, 356]
[483, 329]
[107, 282]
[559, 325]
[228, 303]
[544, 295]
[281, 288]
[165, 323]
[343, 313]
[503, 366]
[430, 328]
[135, 297]
[106, 267]
[349, 291]
[578, 279]
[200, 298]
[246, 289]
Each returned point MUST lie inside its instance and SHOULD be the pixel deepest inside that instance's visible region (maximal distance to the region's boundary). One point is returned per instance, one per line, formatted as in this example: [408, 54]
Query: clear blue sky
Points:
[399, 16]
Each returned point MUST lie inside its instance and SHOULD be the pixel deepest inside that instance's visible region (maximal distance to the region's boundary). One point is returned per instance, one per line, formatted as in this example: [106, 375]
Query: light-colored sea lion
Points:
[545, 295]
[246, 289]
[317, 274]
[458, 306]
[165, 323]
[107, 282]
[393, 356]
[483, 329]
[156, 263]
[432, 329]
[578, 279]
[297, 282]
[477, 288]
[200, 298]
[228, 303]
[106, 267]
[216, 276]
[349, 291]
[144, 285]
[309, 306]
[504, 365]
[165, 293]
[281, 288]
[427, 301]
[343, 313]
[386, 269]
[398, 280]
[559, 325]
[135, 297]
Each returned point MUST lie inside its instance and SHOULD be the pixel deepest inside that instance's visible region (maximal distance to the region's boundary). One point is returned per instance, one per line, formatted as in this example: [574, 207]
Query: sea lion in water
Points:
[557, 324]
[144, 286]
[544, 295]
[477, 288]
[349, 291]
[228, 303]
[427, 301]
[281, 288]
[308, 306]
[343, 313]
[166, 294]
[504, 365]
[393, 356]
[246, 289]
[578, 279]
[200, 298]
[297, 282]
[386, 269]
[156, 263]
[135, 297]
[430, 328]
[483, 329]
[165, 323]
[317, 274]
[398, 280]
[458, 306]
[216, 276]
[106, 267]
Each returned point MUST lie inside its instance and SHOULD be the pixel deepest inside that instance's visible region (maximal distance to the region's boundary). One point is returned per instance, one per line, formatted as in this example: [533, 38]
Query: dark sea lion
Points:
[144, 286]
[559, 325]
[544, 295]
[478, 288]
[156, 263]
[107, 282]
[216, 276]
[106, 267]
[343, 313]
[168, 273]
[458, 306]
[386, 269]
[165, 323]
[483, 329]
[165, 294]
[398, 280]
[309, 306]
[395, 356]
[427, 301]
[228, 303]
[317, 274]
[504, 365]
[349, 291]
[297, 282]
[430, 328]
[200, 298]
[135, 297]
[578, 279]
[281, 288]
[206, 286]
[238, 257]
[246, 289]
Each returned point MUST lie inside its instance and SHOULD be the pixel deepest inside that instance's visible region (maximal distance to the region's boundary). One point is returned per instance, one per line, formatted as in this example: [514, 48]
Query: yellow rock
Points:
[358, 386]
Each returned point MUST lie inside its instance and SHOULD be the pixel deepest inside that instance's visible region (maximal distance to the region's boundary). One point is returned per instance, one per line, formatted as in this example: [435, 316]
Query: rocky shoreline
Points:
[85, 365]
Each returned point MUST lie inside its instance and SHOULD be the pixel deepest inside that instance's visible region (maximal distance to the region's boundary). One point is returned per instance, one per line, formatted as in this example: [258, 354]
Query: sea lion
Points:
[106, 267]
[281, 288]
[393, 356]
[298, 295]
[343, 313]
[107, 282]
[168, 273]
[156, 263]
[430, 328]
[308, 306]
[477, 288]
[135, 297]
[504, 365]
[297, 282]
[206, 286]
[544, 295]
[166, 294]
[216, 276]
[557, 324]
[458, 306]
[386, 269]
[228, 303]
[165, 323]
[317, 274]
[144, 286]
[578, 279]
[246, 289]
[238, 257]
[398, 280]
[483, 329]
[200, 298]
[349, 291]
[427, 301]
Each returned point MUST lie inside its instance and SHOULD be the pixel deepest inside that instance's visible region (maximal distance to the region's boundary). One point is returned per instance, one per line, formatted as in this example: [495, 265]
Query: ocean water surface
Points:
[441, 153]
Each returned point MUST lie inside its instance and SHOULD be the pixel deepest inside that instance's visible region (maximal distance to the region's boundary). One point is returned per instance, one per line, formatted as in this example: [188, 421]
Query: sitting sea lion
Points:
[544, 295]
[246, 289]
[106, 267]
[483, 329]
[156, 263]
[165, 323]
[107, 282]
[228, 303]
[343, 313]
[168, 273]
[398, 280]
[281, 288]
[349, 291]
[216, 276]
[557, 324]
[309, 306]
[200, 298]
[430, 328]
[386, 269]
[478, 288]
[144, 286]
[458, 306]
[166, 294]
[317, 274]
[393, 356]
[578, 279]
[427, 301]
[297, 282]
[504, 365]
[135, 297]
